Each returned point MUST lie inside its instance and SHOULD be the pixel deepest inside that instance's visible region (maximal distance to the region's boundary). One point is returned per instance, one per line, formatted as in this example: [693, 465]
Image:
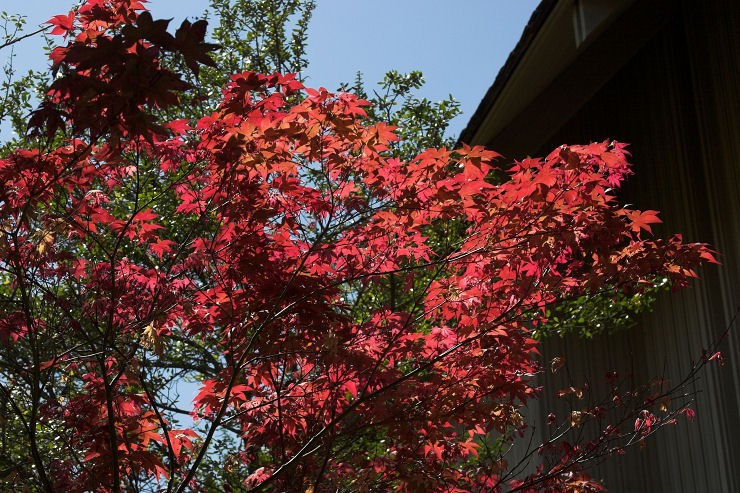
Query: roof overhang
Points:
[568, 50]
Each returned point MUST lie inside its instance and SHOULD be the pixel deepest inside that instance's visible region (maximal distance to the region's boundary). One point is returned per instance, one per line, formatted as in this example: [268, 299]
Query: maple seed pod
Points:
[557, 363]
[516, 420]
[500, 466]
[150, 339]
[664, 403]
[47, 239]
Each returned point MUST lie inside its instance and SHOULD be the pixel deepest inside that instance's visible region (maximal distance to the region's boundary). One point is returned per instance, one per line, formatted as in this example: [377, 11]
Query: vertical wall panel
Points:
[678, 104]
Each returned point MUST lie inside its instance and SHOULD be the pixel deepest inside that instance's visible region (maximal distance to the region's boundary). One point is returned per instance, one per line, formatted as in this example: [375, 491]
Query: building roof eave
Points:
[536, 20]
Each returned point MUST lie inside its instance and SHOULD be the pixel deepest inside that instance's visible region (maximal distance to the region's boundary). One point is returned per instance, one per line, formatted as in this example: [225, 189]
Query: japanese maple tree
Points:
[247, 249]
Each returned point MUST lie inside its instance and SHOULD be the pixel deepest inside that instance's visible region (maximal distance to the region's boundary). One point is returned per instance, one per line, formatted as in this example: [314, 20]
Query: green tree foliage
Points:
[18, 93]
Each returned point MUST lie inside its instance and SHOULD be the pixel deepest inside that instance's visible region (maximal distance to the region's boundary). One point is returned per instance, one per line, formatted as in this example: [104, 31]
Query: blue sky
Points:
[459, 48]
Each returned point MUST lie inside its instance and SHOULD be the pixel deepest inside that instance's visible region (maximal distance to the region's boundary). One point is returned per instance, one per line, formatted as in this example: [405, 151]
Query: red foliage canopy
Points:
[251, 234]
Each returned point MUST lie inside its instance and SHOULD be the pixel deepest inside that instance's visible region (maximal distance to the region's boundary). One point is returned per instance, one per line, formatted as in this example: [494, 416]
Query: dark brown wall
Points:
[677, 101]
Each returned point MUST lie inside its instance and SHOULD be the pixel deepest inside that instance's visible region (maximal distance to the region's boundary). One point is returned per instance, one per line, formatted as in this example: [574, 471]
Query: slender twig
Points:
[21, 38]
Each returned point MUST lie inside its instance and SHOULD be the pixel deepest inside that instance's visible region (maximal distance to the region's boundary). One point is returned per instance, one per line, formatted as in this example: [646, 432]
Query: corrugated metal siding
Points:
[678, 103]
